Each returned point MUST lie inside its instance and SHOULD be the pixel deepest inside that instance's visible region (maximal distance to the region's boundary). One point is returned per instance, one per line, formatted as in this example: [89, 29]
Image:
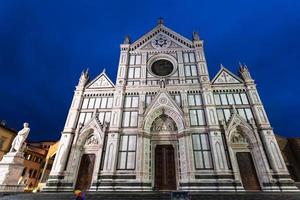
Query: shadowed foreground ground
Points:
[154, 195]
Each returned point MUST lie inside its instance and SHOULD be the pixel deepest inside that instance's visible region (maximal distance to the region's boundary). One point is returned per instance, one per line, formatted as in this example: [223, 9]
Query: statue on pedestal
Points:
[12, 164]
[18, 143]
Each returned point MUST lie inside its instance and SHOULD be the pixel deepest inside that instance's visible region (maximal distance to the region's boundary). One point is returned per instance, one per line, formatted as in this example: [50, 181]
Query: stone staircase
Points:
[154, 195]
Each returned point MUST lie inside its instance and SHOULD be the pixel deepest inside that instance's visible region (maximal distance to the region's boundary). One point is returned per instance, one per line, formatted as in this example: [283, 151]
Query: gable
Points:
[161, 41]
[159, 38]
[163, 99]
[224, 76]
[101, 81]
[163, 104]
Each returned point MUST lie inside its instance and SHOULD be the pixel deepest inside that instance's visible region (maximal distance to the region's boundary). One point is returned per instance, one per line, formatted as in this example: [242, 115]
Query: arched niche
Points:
[89, 141]
[163, 111]
[238, 138]
[163, 123]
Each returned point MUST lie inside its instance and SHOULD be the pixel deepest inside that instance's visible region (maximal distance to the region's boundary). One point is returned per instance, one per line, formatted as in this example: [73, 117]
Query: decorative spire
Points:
[103, 71]
[95, 113]
[127, 40]
[84, 77]
[233, 109]
[160, 21]
[196, 36]
[245, 73]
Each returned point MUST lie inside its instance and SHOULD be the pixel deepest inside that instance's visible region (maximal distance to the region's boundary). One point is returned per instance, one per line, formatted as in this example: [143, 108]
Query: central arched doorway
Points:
[165, 175]
[164, 140]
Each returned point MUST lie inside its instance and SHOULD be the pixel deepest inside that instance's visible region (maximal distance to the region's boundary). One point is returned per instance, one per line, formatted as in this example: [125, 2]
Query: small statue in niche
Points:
[92, 140]
[239, 138]
[162, 84]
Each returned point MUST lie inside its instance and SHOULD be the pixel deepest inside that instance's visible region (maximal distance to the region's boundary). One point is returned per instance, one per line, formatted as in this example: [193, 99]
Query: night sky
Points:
[44, 46]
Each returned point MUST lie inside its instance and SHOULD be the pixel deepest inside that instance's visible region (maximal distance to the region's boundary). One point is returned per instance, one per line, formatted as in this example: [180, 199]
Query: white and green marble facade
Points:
[119, 123]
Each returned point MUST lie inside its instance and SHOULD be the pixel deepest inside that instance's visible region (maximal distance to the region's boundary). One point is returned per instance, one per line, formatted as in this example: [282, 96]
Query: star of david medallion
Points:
[160, 42]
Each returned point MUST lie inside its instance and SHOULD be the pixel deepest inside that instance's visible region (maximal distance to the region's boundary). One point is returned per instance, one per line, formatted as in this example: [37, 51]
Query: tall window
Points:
[190, 70]
[101, 102]
[224, 114]
[131, 102]
[134, 72]
[104, 117]
[130, 119]
[148, 99]
[189, 57]
[177, 99]
[127, 151]
[197, 117]
[202, 151]
[84, 117]
[135, 59]
[194, 99]
[230, 99]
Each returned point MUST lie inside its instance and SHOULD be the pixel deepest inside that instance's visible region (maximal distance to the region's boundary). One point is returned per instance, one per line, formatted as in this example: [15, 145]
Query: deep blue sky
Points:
[44, 46]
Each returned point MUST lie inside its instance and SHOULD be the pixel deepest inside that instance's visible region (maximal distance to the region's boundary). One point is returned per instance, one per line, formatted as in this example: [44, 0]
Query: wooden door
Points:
[165, 176]
[85, 173]
[247, 171]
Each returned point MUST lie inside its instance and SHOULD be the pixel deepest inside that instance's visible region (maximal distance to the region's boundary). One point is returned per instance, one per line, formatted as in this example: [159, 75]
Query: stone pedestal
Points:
[11, 167]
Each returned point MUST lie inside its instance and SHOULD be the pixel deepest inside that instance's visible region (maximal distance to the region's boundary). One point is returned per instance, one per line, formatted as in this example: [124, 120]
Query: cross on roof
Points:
[160, 20]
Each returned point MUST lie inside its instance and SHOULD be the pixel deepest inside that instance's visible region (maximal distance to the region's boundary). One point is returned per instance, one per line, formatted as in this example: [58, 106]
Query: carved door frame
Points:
[174, 144]
[81, 148]
[91, 183]
[235, 164]
[97, 153]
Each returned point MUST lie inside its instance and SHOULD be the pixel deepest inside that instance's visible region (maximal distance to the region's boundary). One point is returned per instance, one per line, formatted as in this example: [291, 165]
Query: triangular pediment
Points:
[160, 42]
[93, 123]
[101, 81]
[163, 99]
[94, 127]
[237, 120]
[163, 104]
[160, 38]
[224, 76]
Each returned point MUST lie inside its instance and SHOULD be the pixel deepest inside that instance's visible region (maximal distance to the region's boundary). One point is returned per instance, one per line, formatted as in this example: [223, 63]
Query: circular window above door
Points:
[162, 68]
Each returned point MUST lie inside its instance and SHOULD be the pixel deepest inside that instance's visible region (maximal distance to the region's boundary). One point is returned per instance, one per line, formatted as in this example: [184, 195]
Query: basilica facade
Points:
[166, 125]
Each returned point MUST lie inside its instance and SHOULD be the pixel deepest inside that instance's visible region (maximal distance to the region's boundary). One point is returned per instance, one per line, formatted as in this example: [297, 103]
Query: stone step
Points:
[154, 195]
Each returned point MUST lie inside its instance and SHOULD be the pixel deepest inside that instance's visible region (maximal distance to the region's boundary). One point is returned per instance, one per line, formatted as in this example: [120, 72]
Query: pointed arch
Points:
[163, 104]
[163, 110]
[92, 127]
[237, 123]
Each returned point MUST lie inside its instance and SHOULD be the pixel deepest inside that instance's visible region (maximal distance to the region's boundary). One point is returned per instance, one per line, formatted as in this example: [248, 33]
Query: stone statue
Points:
[162, 84]
[127, 40]
[18, 143]
[196, 36]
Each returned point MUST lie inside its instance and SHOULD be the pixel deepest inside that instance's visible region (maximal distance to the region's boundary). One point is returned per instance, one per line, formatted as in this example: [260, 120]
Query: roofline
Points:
[40, 141]
[9, 129]
[158, 28]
